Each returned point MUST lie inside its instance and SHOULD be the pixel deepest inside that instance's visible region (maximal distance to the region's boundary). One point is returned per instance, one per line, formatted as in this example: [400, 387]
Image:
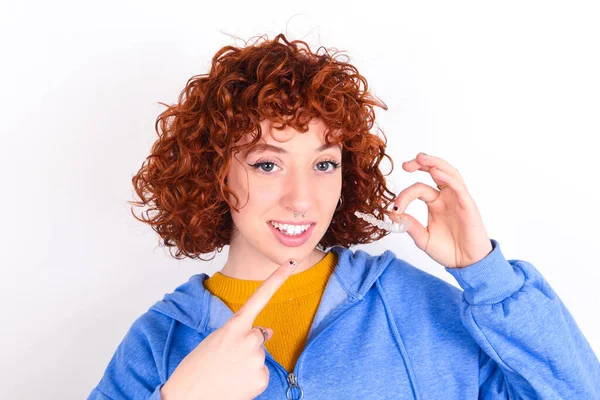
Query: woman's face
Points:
[298, 179]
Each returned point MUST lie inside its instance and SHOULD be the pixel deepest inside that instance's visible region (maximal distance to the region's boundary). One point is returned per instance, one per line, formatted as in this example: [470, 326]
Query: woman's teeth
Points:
[291, 230]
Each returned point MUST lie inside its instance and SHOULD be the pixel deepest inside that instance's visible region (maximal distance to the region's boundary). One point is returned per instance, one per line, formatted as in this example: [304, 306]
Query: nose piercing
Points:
[303, 214]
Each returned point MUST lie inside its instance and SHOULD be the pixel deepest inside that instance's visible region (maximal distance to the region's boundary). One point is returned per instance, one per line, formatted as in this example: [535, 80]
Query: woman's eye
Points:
[269, 163]
[332, 163]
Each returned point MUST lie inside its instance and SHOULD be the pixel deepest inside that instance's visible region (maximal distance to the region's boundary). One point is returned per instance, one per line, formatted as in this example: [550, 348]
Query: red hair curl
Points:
[183, 179]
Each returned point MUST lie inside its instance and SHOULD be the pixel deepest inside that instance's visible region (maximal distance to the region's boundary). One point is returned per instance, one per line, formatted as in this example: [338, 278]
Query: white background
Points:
[507, 92]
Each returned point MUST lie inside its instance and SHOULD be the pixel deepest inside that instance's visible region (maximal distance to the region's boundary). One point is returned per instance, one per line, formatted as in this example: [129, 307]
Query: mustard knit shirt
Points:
[290, 311]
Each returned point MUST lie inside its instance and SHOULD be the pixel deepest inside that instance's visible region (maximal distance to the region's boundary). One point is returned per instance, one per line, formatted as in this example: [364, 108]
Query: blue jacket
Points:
[387, 330]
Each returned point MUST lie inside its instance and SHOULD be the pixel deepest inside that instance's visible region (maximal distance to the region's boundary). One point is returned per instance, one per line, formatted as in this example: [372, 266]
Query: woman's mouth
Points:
[291, 235]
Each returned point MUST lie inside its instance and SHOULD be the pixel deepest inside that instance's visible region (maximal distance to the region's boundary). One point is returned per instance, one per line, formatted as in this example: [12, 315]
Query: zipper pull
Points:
[293, 383]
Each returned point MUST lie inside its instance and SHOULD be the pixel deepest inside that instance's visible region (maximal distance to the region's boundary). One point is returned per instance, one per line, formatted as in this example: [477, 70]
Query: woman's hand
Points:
[455, 236]
[230, 362]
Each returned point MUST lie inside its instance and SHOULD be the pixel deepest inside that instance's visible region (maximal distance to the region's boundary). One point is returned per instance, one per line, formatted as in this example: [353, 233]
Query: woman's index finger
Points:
[263, 294]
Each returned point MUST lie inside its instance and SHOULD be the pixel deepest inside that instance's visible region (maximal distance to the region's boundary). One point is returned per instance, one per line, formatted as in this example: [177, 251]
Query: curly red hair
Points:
[183, 179]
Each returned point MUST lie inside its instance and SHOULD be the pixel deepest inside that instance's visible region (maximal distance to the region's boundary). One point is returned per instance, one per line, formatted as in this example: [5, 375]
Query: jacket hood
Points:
[355, 273]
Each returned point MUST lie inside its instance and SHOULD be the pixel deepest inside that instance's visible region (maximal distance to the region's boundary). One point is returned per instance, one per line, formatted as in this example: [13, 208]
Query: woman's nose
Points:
[301, 188]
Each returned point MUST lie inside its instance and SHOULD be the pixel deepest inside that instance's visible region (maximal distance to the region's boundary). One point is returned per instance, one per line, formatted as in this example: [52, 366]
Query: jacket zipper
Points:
[292, 381]
[292, 377]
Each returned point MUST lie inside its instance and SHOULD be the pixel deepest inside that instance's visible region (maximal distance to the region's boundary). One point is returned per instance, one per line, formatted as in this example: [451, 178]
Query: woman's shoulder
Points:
[408, 287]
[399, 274]
[408, 278]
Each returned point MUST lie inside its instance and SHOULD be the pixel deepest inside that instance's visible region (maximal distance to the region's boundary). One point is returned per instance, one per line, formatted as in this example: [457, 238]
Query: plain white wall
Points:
[506, 92]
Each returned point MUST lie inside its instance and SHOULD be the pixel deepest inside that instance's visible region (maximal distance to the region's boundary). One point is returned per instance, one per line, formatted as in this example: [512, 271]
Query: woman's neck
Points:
[249, 264]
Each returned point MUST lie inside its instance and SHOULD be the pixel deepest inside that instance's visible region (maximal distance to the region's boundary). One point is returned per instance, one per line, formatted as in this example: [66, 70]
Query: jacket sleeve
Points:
[531, 346]
[98, 395]
[133, 371]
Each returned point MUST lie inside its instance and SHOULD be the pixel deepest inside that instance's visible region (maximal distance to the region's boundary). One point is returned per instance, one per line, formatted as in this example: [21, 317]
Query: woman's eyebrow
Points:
[262, 147]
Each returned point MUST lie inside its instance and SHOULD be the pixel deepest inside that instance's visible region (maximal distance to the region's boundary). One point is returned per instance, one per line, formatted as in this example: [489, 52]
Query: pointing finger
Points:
[260, 298]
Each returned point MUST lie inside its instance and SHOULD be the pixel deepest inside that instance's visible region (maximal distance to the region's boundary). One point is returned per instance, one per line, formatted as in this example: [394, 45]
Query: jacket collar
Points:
[355, 273]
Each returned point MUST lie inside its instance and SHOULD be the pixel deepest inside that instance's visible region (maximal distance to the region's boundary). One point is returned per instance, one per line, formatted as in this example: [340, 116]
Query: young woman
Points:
[271, 153]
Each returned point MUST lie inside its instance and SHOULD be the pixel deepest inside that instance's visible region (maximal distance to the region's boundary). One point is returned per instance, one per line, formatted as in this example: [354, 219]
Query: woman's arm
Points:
[531, 345]
[132, 372]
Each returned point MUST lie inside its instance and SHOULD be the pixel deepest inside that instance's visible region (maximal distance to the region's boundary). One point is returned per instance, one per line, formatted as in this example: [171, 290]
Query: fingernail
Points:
[293, 263]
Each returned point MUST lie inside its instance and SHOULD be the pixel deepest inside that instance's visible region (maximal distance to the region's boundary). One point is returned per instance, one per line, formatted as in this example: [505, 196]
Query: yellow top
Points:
[290, 311]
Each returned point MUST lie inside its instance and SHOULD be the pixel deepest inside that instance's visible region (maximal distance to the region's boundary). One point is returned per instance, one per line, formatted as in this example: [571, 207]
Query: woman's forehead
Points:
[272, 135]
[305, 142]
